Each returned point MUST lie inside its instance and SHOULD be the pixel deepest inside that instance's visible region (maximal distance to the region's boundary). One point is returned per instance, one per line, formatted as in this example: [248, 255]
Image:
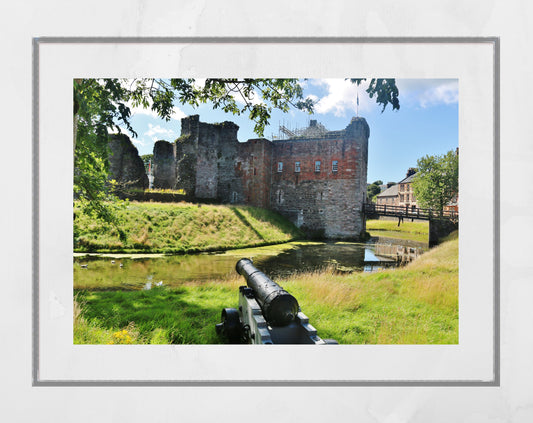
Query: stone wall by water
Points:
[320, 184]
[440, 228]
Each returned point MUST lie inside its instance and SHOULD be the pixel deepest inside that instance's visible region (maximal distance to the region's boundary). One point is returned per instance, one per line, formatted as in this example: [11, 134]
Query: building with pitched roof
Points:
[388, 197]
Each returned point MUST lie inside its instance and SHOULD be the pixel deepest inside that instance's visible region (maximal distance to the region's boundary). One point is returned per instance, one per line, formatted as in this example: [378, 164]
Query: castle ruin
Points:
[316, 179]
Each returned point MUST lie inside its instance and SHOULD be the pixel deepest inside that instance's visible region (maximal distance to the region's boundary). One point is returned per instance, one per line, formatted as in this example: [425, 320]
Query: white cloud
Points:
[341, 97]
[137, 141]
[304, 83]
[156, 132]
[176, 113]
[429, 92]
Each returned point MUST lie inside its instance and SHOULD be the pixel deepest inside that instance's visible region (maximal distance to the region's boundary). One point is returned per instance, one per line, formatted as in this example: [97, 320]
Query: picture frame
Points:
[474, 362]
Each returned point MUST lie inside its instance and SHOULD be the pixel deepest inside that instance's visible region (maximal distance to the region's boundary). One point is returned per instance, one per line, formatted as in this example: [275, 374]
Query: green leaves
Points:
[373, 189]
[385, 90]
[437, 180]
[257, 97]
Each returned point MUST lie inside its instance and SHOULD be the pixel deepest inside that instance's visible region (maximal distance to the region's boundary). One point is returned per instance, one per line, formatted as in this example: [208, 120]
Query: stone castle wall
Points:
[208, 162]
[254, 160]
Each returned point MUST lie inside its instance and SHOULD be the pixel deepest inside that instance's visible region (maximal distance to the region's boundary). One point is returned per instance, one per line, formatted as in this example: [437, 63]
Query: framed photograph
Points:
[472, 66]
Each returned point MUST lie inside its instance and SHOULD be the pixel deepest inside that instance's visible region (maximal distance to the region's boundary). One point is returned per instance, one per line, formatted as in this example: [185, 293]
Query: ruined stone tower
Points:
[126, 168]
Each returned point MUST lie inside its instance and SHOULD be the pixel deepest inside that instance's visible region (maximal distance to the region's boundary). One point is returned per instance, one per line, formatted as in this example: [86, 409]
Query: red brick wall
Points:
[255, 158]
[307, 152]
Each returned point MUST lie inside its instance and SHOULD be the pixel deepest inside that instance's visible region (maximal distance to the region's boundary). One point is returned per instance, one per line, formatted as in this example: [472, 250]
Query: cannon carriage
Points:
[267, 314]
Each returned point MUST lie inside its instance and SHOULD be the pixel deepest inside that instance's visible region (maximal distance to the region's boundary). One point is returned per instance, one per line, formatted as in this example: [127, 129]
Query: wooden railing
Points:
[408, 212]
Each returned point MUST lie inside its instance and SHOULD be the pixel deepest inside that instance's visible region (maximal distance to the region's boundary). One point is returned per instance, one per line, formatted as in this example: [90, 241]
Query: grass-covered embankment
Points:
[415, 304]
[414, 231]
[180, 228]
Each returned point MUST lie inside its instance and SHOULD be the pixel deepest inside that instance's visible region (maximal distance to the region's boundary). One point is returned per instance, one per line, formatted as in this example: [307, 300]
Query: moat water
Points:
[143, 271]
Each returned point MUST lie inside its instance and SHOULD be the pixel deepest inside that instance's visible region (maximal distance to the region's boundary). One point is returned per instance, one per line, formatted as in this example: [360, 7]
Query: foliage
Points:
[373, 189]
[98, 106]
[146, 160]
[437, 180]
[385, 90]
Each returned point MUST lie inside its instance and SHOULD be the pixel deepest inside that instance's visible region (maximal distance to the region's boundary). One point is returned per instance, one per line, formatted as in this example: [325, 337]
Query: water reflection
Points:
[140, 271]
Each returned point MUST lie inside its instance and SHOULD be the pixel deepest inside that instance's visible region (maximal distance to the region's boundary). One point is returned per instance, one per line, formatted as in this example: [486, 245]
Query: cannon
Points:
[267, 313]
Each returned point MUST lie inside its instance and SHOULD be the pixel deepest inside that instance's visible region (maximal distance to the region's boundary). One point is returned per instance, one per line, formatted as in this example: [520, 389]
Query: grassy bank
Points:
[416, 304]
[180, 228]
[415, 231]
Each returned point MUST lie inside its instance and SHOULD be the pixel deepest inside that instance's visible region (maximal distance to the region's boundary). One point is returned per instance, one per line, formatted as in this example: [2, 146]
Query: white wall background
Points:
[510, 20]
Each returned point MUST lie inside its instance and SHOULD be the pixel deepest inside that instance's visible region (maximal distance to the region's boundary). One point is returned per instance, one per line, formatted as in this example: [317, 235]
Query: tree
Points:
[373, 189]
[437, 180]
[98, 106]
[146, 158]
[385, 90]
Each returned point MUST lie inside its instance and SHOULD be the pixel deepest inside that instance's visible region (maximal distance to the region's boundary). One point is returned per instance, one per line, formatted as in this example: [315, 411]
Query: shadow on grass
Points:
[187, 316]
[247, 223]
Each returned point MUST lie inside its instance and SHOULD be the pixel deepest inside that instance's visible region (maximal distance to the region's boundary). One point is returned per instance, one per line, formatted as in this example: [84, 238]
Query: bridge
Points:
[408, 212]
[440, 224]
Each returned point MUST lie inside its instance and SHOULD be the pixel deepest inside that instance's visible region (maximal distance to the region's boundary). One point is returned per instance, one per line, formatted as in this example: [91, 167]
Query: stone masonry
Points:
[317, 181]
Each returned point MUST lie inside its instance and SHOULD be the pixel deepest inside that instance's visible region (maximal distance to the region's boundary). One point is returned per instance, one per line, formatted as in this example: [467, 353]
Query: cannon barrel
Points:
[279, 307]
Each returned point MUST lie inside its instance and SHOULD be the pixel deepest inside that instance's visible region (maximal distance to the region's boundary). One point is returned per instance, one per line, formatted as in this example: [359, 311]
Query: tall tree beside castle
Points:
[437, 180]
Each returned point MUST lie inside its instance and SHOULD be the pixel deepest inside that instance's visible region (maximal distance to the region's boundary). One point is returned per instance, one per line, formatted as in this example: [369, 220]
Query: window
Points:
[335, 166]
[297, 167]
[234, 197]
[280, 166]
[317, 166]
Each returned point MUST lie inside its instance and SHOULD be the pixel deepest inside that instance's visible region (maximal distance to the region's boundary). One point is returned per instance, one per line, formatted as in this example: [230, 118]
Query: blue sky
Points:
[426, 124]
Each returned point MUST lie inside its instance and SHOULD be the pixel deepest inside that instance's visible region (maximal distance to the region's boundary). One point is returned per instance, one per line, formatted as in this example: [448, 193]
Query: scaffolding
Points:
[313, 130]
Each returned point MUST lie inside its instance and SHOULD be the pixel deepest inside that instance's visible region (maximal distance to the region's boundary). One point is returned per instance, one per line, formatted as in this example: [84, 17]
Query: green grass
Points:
[415, 304]
[181, 228]
[185, 315]
[415, 231]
